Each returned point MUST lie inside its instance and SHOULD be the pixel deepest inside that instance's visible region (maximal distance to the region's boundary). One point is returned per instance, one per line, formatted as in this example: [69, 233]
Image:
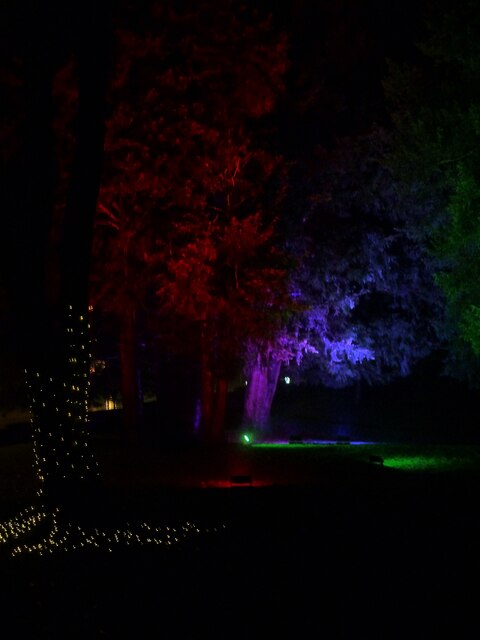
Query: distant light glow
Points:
[287, 380]
[247, 438]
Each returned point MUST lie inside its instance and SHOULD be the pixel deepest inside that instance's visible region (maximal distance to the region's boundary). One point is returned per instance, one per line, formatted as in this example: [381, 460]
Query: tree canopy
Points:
[436, 113]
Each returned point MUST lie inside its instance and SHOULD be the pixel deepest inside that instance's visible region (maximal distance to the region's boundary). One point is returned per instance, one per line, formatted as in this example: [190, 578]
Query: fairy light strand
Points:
[59, 419]
[68, 537]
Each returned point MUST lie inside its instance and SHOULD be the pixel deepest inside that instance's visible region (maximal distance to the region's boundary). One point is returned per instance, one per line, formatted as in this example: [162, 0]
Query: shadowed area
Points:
[331, 531]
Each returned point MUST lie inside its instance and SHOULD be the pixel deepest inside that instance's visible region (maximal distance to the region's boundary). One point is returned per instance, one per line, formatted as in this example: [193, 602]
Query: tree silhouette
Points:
[49, 289]
[184, 159]
[434, 106]
[51, 264]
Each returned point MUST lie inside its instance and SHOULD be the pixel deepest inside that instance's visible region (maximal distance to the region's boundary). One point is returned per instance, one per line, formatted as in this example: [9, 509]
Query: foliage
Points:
[460, 249]
[225, 274]
[365, 276]
[436, 118]
[185, 233]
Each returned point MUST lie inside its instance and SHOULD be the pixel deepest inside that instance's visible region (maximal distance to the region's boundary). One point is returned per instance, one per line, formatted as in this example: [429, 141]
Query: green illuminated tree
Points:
[435, 107]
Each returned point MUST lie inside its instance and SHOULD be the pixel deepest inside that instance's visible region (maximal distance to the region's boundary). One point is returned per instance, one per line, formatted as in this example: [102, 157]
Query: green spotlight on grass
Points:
[422, 463]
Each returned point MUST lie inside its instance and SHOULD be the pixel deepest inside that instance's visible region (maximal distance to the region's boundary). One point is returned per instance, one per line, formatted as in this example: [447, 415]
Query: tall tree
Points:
[373, 303]
[367, 304]
[435, 110]
[228, 284]
[53, 311]
[49, 285]
[189, 162]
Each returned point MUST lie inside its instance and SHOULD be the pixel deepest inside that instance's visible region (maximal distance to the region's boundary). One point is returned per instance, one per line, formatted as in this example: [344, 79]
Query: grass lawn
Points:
[316, 539]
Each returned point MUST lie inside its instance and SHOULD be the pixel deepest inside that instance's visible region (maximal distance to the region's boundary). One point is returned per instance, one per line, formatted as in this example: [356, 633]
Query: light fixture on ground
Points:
[244, 480]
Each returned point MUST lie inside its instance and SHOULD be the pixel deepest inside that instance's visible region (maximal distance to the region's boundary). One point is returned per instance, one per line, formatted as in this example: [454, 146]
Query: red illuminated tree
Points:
[185, 171]
[227, 283]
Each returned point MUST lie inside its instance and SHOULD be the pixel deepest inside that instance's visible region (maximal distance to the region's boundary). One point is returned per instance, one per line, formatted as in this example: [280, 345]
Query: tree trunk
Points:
[214, 391]
[53, 312]
[206, 386]
[216, 435]
[132, 401]
[260, 392]
[58, 390]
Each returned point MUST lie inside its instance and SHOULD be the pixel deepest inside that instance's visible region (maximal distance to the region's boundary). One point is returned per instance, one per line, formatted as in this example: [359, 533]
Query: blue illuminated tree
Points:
[371, 272]
[367, 300]
[357, 235]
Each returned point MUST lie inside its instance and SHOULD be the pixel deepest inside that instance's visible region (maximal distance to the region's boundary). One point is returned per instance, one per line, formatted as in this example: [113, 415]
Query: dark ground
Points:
[332, 547]
[319, 545]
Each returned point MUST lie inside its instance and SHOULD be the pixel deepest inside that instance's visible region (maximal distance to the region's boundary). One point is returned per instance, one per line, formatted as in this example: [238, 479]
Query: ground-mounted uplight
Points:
[247, 438]
[287, 380]
[242, 480]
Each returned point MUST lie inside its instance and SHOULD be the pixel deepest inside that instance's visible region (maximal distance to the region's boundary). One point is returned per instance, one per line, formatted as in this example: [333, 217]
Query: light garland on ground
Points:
[69, 537]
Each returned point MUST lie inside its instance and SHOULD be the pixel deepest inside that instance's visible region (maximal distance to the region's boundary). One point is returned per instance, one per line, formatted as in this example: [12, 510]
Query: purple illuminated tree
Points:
[372, 274]
[364, 285]
[357, 236]
[227, 284]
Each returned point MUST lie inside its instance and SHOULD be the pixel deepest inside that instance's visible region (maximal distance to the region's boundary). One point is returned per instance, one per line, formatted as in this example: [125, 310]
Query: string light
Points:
[53, 443]
[68, 537]
[62, 455]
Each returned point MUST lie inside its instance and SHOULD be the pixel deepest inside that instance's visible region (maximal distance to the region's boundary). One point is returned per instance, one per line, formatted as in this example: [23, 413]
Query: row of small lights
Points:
[72, 406]
[70, 537]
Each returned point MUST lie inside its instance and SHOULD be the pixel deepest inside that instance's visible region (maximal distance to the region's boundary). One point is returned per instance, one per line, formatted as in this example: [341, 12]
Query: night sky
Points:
[338, 46]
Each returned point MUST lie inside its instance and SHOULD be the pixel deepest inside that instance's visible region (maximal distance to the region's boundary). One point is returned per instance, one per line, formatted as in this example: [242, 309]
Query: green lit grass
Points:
[283, 464]
[428, 462]
[417, 457]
